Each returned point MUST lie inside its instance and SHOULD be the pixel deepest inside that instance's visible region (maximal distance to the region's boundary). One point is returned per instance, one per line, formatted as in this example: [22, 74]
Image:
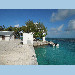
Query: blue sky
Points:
[59, 22]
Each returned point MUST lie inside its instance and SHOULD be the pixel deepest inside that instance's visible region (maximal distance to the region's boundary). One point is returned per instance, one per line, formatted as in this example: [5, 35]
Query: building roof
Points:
[6, 32]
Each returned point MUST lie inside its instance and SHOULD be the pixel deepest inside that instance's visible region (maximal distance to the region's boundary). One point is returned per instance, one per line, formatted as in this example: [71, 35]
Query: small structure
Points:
[43, 38]
[6, 35]
[28, 38]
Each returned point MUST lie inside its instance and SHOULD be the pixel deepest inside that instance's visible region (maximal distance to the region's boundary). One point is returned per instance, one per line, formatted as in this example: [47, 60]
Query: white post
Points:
[43, 38]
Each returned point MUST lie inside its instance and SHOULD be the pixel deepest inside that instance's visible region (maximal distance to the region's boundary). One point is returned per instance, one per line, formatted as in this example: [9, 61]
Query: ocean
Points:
[62, 55]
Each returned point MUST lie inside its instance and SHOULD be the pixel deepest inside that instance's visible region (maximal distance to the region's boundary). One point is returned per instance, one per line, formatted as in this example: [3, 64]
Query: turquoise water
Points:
[64, 55]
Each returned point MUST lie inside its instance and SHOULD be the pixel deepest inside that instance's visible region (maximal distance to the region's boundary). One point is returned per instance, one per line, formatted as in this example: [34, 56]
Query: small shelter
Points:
[6, 35]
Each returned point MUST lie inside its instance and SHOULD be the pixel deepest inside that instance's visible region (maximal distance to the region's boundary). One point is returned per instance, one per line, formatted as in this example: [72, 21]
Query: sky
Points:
[60, 23]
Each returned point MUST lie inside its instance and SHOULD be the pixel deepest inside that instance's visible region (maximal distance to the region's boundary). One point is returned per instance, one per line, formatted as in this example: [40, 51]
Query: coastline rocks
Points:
[39, 43]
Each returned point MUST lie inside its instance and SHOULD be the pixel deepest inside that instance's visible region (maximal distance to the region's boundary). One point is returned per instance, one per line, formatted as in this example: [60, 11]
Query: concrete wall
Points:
[7, 38]
[0, 38]
[28, 38]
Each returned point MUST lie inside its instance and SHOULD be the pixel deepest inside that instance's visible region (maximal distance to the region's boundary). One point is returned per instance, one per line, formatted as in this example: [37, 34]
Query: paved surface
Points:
[14, 53]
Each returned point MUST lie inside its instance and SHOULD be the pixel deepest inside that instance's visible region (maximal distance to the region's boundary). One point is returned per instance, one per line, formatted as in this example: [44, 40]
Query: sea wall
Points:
[40, 43]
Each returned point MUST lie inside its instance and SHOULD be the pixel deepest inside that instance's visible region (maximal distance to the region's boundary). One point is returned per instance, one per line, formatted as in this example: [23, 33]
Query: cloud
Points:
[69, 32]
[57, 29]
[62, 14]
[16, 25]
[62, 34]
[71, 26]
[60, 27]
[55, 32]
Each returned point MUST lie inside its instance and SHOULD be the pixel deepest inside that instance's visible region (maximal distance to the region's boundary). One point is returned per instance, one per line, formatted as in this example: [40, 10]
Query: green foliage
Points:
[36, 29]
[2, 28]
[30, 26]
[9, 28]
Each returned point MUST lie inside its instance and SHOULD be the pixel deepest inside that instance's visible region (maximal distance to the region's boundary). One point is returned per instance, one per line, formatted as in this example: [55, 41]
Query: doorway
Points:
[3, 37]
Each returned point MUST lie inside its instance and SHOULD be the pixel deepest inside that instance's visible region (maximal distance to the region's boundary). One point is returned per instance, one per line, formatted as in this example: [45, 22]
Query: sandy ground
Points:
[14, 53]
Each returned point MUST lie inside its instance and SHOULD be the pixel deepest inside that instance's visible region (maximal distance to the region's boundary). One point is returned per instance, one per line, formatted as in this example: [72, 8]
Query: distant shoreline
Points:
[60, 38]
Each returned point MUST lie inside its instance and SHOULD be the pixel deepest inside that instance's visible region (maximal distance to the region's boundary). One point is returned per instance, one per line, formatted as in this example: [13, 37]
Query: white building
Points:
[6, 35]
[28, 38]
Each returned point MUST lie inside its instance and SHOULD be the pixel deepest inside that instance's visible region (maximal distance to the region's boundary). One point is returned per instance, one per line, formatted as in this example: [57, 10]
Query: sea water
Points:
[62, 55]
